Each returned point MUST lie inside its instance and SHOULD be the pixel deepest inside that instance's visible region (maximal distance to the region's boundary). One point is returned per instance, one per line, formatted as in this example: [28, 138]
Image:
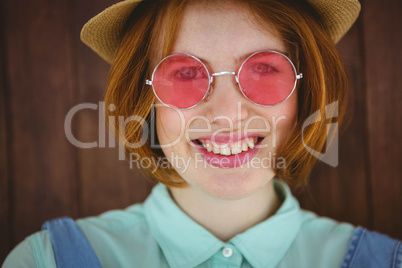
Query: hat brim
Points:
[104, 32]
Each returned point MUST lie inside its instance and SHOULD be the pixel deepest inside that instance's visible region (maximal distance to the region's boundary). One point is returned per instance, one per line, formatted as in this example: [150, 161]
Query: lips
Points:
[228, 151]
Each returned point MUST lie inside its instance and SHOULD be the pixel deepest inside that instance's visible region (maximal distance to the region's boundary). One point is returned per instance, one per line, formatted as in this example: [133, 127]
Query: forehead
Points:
[223, 31]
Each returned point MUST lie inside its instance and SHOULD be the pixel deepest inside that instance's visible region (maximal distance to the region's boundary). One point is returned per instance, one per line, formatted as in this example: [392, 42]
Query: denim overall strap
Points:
[71, 247]
[372, 250]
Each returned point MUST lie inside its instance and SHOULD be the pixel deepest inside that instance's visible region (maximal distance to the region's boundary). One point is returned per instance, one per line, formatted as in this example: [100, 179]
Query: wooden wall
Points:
[45, 70]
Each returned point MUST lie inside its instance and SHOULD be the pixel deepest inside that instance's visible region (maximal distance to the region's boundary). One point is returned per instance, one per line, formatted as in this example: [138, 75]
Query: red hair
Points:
[149, 36]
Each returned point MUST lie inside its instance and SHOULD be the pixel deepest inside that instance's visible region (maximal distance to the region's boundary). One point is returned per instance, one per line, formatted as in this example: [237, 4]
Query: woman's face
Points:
[222, 37]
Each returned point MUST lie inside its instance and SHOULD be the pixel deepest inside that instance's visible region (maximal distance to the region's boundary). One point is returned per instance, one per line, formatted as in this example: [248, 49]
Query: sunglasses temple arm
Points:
[148, 82]
[299, 76]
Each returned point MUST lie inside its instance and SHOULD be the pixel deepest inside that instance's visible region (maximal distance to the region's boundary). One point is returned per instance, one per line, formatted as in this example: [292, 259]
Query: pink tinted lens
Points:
[267, 78]
[180, 81]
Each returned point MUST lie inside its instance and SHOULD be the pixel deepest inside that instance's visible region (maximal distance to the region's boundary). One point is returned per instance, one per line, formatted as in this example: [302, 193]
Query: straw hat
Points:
[103, 32]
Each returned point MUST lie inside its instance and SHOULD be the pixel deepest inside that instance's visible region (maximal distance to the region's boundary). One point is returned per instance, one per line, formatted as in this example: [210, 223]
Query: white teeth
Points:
[236, 148]
[230, 149]
[225, 151]
[244, 146]
[208, 146]
[250, 143]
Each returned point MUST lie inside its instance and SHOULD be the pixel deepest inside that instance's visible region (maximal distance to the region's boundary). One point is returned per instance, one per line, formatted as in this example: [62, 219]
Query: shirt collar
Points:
[187, 244]
[265, 244]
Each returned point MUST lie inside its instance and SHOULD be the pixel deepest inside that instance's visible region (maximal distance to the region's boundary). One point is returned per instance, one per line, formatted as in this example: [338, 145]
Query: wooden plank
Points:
[41, 93]
[383, 56]
[333, 191]
[106, 183]
[5, 204]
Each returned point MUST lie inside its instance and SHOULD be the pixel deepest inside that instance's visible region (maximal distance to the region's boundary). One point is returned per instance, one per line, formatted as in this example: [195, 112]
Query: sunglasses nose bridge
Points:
[211, 80]
[223, 73]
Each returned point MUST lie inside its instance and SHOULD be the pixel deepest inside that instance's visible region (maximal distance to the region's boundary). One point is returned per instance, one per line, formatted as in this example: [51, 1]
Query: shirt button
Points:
[227, 252]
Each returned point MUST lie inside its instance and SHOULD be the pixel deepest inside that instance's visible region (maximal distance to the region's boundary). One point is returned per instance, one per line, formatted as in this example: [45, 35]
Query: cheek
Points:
[167, 125]
[290, 110]
[284, 118]
[170, 127]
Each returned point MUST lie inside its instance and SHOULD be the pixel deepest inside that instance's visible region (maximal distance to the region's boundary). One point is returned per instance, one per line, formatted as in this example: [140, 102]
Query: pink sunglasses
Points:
[266, 78]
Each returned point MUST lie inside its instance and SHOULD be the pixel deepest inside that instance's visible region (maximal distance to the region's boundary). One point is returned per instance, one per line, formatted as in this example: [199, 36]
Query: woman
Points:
[228, 86]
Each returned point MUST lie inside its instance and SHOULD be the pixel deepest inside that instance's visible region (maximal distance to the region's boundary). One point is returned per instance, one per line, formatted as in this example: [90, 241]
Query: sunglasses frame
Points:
[298, 76]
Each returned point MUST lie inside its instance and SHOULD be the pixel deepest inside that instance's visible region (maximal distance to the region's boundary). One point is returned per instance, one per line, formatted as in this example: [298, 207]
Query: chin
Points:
[237, 184]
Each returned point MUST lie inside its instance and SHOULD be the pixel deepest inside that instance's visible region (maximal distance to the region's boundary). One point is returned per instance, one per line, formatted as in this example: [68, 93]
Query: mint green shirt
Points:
[158, 233]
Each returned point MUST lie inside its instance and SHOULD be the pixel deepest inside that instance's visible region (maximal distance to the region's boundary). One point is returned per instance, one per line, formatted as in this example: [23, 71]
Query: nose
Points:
[226, 106]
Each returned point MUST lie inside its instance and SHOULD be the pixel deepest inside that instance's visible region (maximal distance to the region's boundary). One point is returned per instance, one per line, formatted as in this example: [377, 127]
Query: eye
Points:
[190, 72]
[261, 68]
[187, 72]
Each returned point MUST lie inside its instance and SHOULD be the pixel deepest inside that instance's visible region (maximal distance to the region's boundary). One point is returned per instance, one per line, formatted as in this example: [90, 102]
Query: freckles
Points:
[169, 124]
[283, 119]
[289, 109]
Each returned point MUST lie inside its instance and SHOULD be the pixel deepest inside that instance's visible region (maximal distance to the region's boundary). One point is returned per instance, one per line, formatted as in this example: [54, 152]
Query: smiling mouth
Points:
[227, 149]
